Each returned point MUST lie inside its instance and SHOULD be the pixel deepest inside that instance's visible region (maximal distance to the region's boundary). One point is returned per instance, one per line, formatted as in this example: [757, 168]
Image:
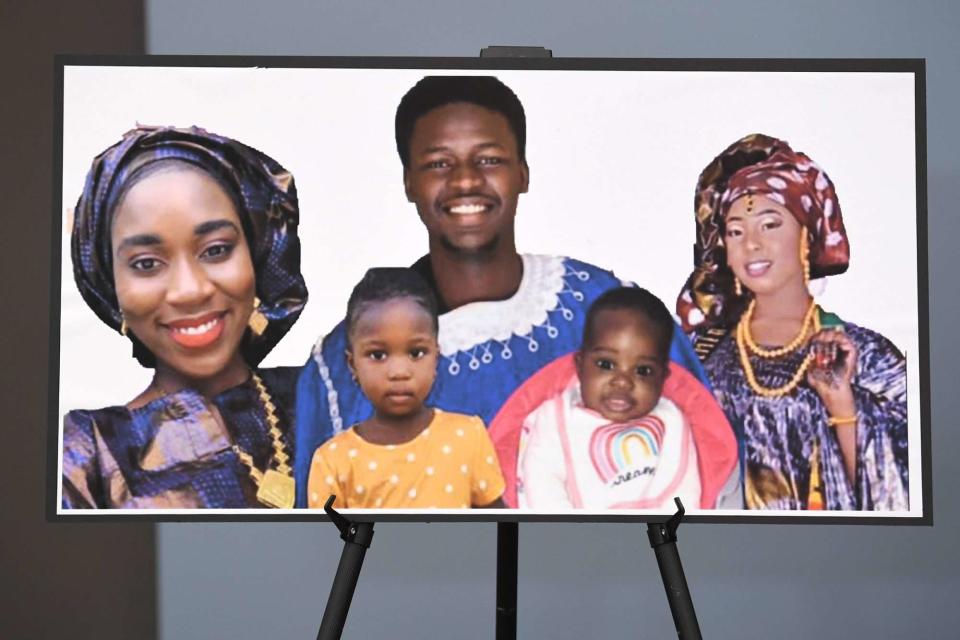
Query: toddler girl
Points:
[407, 455]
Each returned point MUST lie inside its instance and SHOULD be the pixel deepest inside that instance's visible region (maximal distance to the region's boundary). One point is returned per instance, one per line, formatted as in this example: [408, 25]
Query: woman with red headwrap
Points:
[818, 403]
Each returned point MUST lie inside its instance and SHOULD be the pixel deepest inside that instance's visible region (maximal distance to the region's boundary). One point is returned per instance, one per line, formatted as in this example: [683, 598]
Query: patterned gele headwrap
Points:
[266, 199]
[759, 165]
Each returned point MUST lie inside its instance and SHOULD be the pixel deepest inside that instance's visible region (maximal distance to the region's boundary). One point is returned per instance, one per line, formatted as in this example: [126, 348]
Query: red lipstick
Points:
[199, 332]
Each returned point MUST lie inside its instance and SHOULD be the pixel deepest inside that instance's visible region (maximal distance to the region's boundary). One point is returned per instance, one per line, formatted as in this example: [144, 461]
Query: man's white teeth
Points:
[467, 209]
[195, 331]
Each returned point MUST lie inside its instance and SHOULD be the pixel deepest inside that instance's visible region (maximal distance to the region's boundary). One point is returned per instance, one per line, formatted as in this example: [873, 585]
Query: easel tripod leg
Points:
[507, 540]
[356, 538]
[663, 539]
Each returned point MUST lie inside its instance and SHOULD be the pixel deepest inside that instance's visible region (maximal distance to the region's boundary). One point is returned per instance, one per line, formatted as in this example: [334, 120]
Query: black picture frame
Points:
[916, 67]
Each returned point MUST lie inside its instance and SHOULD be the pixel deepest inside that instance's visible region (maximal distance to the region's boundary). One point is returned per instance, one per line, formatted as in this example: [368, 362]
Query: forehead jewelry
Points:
[749, 203]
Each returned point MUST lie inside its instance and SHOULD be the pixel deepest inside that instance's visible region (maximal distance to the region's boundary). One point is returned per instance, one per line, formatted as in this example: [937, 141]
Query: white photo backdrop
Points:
[614, 158]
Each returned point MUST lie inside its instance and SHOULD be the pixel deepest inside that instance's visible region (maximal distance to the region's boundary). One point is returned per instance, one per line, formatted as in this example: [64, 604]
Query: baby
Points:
[406, 455]
[609, 440]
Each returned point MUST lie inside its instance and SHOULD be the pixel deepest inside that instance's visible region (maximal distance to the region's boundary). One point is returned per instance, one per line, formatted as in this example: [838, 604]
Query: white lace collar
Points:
[477, 322]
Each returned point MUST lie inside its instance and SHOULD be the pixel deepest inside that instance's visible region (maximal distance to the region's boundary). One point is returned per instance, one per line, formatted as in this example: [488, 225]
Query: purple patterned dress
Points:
[783, 438]
[175, 452]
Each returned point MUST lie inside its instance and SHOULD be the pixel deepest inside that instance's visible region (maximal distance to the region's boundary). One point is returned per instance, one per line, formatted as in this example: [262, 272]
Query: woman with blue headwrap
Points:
[186, 243]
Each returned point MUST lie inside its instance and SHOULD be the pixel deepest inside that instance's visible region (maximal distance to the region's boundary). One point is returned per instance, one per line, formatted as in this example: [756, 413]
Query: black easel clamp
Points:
[666, 532]
[349, 531]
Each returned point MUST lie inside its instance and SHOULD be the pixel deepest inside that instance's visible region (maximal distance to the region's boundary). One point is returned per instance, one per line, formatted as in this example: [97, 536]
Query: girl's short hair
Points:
[382, 284]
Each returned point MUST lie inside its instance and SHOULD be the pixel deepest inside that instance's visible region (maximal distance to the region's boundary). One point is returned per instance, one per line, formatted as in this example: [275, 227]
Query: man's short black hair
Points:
[638, 300]
[436, 91]
[382, 284]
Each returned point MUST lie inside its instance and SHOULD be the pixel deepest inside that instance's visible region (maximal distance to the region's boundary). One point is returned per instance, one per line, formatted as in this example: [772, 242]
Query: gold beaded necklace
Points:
[746, 343]
[275, 487]
[791, 346]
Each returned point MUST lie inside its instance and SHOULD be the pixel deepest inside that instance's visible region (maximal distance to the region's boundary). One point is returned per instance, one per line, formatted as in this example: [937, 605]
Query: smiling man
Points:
[504, 315]
[464, 167]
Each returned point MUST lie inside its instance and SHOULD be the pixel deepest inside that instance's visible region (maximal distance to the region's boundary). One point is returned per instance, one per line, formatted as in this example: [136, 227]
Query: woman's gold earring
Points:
[737, 287]
[123, 326]
[258, 322]
[805, 256]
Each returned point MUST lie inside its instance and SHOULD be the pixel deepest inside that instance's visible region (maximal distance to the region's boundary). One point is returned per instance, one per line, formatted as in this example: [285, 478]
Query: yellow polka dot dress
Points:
[450, 465]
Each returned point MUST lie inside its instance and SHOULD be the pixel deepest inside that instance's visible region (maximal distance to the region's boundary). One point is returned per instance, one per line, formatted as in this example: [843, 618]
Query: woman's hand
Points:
[832, 370]
[831, 376]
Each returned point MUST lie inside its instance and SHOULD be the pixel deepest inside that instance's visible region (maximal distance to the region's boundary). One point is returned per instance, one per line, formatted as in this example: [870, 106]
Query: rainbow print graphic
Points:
[618, 448]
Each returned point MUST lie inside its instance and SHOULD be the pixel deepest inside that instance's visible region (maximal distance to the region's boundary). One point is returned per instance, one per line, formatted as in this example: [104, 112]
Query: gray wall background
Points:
[424, 580]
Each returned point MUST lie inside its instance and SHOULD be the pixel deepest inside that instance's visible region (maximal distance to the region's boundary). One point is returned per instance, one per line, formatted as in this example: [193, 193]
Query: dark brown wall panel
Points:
[58, 580]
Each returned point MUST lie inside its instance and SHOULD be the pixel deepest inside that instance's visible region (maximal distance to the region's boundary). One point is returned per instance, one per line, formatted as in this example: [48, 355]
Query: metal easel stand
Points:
[356, 537]
[663, 539]
[508, 532]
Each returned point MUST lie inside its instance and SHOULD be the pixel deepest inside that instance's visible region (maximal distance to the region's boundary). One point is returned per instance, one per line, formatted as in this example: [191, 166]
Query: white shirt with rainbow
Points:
[571, 457]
